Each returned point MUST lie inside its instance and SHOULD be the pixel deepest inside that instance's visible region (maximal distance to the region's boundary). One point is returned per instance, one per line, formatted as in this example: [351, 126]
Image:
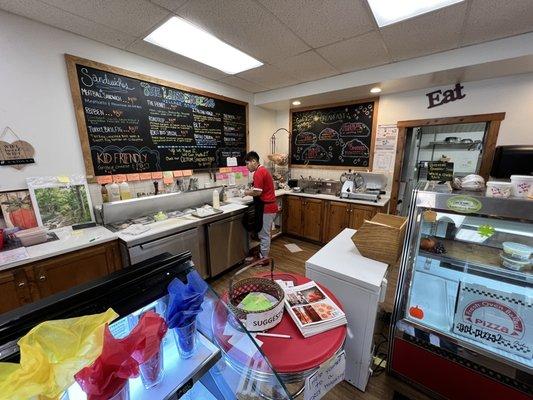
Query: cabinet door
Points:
[14, 290]
[358, 214]
[63, 272]
[294, 215]
[312, 216]
[336, 218]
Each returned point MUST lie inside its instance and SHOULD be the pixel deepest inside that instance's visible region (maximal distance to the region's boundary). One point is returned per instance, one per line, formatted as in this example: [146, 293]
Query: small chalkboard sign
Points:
[440, 171]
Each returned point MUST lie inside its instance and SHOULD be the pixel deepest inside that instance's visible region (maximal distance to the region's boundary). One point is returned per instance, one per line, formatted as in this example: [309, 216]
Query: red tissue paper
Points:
[120, 358]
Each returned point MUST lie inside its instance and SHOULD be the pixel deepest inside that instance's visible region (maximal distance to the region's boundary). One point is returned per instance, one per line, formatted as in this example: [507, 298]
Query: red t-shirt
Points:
[263, 181]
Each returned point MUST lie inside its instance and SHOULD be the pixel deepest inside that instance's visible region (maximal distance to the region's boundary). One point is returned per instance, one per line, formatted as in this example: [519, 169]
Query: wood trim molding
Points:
[491, 137]
[329, 105]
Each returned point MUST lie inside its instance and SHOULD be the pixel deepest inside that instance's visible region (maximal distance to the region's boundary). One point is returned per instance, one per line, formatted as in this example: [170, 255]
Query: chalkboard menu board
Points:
[340, 135]
[131, 123]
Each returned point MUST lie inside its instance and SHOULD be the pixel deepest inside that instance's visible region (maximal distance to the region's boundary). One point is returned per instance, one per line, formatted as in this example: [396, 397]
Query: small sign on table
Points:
[325, 378]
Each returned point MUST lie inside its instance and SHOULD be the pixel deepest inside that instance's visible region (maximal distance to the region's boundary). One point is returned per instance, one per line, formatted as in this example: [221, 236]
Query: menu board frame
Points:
[72, 61]
[321, 107]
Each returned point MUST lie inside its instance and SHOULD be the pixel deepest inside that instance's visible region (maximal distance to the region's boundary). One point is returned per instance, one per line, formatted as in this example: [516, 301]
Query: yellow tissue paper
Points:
[50, 354]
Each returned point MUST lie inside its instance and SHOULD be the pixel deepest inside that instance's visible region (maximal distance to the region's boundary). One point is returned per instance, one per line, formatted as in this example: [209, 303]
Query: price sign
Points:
[440, 171]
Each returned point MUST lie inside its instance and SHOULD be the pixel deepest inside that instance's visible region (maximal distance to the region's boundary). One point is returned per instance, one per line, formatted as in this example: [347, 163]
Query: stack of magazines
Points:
[312, 310]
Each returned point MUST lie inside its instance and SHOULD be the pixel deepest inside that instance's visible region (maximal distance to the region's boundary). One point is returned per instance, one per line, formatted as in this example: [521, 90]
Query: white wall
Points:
[512, 95]
[36, 103]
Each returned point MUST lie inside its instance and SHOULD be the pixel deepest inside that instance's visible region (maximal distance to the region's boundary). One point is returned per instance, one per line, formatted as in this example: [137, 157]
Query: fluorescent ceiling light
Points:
[296, 102]
[182, 37]
[375, 90]
[388, 12]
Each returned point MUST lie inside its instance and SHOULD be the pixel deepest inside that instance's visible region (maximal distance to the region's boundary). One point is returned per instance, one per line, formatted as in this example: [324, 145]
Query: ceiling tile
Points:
[167, 57]
[495, 19]
[269, 76]
[243, 84]
[320, 22]
[246, 25]
[136, 17]
[172, 5]
[306, 67]
[50, 15]
[426, 34]
[361, 52]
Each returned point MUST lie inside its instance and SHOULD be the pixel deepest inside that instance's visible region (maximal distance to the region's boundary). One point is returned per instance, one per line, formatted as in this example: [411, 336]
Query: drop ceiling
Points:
[297, 40]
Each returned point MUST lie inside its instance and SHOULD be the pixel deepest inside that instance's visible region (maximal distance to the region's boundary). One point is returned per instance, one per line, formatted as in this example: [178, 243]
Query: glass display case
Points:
[237, 370]
[465, 287]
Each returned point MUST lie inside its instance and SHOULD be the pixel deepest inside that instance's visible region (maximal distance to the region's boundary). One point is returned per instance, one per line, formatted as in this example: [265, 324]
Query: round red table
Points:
[292, 359]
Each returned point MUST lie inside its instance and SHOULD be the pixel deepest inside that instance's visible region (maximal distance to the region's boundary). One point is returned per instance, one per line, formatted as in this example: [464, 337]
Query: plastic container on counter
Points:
[32, 236]
[499, 189]
[521, 185]
[517, 250]
[514, 263]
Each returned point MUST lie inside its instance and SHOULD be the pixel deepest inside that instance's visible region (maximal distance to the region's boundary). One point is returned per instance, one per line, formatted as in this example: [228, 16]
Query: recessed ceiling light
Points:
[375, 90]
[296, 102]
[182, 37]
[388, 12]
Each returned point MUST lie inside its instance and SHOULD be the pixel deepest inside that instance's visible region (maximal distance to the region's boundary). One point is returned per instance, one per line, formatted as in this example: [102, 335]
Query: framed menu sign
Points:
[133, 123]
[336, 135]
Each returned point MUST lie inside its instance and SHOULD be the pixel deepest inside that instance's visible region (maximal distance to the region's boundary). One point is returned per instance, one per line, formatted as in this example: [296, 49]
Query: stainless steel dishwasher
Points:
[228, 243]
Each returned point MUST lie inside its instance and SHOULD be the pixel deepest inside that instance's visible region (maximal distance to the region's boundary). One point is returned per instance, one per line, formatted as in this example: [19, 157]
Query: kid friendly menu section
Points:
[138, 126]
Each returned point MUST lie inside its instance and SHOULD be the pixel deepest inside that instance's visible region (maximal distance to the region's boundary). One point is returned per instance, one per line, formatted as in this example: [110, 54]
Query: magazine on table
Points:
[312, 310]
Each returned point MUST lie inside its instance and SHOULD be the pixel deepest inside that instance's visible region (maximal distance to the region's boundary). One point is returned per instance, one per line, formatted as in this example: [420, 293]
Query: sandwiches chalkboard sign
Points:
[130, 123]
[336, 135]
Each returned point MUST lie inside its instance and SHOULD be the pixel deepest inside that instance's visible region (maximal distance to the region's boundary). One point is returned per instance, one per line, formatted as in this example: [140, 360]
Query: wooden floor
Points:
[381, 387]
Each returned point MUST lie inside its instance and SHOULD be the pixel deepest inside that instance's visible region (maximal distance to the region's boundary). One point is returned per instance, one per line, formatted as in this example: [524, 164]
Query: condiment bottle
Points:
[105, 195]
[216, 199]
[113, 192]
[124, 189]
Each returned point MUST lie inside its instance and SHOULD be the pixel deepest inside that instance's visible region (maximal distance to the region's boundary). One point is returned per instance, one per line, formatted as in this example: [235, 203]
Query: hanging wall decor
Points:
[15, 154]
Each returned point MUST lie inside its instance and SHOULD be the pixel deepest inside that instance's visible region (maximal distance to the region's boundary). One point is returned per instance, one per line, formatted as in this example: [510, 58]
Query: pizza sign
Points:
[495, 318]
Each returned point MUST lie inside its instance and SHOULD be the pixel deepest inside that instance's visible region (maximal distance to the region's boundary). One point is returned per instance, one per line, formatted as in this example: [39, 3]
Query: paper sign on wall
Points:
[132, 177]
[119, 178]
[187, 172]
[385, 148]
[144, 176]
[231, 161]
[178, 174]
[325, 378]
[104, 179]
[157, 175]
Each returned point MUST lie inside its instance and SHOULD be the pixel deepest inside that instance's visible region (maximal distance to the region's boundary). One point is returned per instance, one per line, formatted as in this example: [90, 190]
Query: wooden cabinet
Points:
[304, 217]
[359, 213]
[33, 281]
[339, 215]
[63, 272]
[14, 290]
[336, 218]
[294, 216]
[312, 219]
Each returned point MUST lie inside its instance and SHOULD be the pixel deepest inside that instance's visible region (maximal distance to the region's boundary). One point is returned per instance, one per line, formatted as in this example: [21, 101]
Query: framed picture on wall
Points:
[17, 209]
[61, 201]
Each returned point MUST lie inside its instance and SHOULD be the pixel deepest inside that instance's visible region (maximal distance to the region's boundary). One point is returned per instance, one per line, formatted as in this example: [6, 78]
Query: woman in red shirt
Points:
[264, 200]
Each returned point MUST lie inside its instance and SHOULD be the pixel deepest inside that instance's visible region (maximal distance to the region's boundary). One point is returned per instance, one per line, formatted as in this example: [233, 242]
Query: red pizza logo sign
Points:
[475, 314]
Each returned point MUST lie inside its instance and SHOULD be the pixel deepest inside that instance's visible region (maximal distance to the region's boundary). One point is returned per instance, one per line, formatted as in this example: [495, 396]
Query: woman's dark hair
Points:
[251, 155]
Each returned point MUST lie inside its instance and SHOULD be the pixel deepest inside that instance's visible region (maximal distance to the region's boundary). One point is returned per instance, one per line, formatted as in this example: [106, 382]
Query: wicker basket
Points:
[381, 238]
[252, 320]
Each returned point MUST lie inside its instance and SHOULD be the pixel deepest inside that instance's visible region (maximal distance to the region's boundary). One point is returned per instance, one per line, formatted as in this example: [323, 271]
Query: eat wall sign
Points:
[439, 97]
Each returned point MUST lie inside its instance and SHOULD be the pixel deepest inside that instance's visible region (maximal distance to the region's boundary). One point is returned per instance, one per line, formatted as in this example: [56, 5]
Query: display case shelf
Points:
[481, 259]
[179, 374]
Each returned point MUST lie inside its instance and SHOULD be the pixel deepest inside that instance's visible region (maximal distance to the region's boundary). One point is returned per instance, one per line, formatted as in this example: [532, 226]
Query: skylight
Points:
[182, 37]
[388, 12]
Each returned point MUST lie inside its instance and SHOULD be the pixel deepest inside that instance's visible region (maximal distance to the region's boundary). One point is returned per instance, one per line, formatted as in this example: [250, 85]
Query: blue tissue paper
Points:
[185, 300]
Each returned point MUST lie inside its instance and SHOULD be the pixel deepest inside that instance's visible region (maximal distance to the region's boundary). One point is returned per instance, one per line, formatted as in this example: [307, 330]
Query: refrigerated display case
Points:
[462, 326]
[211, 373]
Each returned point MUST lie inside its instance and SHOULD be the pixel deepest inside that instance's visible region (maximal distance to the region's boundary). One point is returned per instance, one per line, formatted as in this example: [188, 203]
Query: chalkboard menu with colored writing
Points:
[340, 135]
[131, 123]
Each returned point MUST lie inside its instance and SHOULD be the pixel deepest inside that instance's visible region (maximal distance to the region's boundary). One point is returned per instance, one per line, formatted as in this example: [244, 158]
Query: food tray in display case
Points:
[462, 289]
